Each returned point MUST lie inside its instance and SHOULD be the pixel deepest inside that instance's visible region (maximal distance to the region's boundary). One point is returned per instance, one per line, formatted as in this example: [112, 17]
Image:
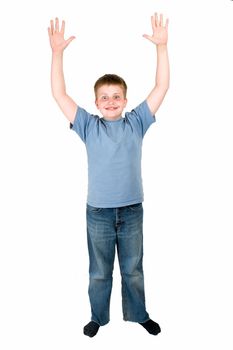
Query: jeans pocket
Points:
[93, 209]
[135, 207]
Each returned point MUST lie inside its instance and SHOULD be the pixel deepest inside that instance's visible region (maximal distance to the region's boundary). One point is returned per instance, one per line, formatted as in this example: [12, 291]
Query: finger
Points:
[156, 19]
[56, 24]
[49, 32]
[153, 23]
[161, 20]
[166, 25]
[52, 26]
[63, 27]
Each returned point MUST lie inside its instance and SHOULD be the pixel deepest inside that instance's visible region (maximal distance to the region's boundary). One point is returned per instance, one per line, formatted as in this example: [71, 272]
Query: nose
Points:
[111, 100]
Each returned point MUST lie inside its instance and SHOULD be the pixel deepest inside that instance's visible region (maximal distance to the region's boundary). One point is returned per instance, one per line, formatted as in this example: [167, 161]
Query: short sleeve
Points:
[141, 118]
[83, 123]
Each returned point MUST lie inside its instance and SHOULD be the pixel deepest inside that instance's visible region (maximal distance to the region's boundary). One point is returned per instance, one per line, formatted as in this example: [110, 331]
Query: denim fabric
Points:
[109, 229]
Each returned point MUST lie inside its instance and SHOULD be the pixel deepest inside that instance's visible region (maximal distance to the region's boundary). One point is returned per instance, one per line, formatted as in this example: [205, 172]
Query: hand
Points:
[56, 36]
[160, 31]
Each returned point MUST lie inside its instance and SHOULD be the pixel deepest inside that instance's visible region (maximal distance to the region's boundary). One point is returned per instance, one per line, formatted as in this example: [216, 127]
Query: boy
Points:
[114, 203]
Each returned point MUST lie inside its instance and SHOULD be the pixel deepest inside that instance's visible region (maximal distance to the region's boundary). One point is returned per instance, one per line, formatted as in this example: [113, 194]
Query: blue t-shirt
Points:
[114, 150]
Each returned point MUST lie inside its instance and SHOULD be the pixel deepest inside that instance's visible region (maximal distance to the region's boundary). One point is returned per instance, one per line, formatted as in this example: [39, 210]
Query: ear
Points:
[96, 103]
[125, 103]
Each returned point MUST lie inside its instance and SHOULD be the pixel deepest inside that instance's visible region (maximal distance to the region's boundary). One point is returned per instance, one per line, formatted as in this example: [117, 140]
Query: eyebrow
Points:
[115, 93]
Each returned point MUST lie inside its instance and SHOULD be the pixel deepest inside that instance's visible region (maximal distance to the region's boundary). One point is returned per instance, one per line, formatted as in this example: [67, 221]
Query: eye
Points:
[117, 97]
[104, 98]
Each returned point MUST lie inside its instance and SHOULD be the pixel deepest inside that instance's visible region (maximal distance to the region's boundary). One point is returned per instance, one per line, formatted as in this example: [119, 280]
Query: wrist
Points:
[57, 53]
[161, 46]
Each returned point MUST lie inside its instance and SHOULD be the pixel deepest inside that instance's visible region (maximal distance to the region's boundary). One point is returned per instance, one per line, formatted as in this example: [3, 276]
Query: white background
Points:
[187, 173]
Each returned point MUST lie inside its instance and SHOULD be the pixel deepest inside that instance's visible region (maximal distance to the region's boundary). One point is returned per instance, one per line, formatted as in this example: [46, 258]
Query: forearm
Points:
[162, 78]
[65, 102]
[57, 75]
[162, 72]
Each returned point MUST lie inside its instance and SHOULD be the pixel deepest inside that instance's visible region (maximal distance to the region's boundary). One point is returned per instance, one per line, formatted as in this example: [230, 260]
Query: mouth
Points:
[111, 108]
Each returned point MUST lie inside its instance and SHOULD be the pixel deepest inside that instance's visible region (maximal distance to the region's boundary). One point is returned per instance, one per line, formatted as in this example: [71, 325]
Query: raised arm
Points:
[159, 38]
[58, 45]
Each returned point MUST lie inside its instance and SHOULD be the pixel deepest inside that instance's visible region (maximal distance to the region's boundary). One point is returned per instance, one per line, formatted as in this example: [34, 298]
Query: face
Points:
[110, 101]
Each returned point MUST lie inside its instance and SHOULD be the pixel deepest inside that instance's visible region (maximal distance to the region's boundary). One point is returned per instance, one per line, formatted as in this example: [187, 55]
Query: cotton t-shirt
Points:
[114, 150]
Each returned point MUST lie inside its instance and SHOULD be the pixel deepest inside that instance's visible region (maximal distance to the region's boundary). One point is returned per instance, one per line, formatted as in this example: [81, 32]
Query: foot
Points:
[151, 327]
[91, 329]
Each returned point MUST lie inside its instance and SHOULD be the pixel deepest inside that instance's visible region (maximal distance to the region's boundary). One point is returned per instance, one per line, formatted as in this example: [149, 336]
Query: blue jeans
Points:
[108, 229]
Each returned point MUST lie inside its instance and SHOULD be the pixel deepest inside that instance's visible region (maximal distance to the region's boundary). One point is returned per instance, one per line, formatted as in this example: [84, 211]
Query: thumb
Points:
[147, 36]
[68, 41]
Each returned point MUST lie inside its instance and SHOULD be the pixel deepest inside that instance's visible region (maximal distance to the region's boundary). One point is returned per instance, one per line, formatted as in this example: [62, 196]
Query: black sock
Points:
[151, 327]
[91, 329]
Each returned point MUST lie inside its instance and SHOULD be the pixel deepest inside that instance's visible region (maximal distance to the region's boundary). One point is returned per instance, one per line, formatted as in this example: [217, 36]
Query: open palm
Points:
[56, 36]
[160, 31]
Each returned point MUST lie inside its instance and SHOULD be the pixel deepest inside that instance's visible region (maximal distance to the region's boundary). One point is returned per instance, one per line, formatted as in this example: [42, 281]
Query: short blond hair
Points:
[110, 79]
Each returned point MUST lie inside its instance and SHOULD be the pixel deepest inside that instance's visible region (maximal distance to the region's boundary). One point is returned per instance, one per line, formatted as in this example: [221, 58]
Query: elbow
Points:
[166, 86]
[163, 86]
[57, 96]
[54, 93]
[58, 92]
[164, 89]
